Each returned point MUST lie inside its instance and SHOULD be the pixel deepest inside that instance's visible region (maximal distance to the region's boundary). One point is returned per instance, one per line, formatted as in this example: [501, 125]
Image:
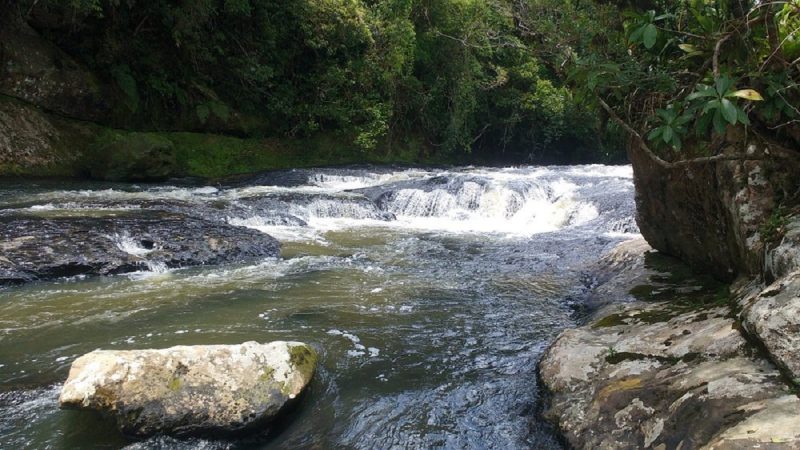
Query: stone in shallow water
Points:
[186, 390]
[60, 245]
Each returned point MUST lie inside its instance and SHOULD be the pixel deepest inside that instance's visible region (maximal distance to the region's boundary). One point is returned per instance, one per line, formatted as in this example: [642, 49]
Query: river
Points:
[429, 293]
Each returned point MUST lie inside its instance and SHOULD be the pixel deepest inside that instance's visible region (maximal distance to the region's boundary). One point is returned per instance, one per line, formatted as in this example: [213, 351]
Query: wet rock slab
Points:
[771, 311]
[666, 375]
[687, 382]
[39, 247]
[191, 390]
[772, 314]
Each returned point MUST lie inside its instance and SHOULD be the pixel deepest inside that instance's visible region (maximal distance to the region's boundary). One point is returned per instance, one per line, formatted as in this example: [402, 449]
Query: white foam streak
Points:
[129, 245]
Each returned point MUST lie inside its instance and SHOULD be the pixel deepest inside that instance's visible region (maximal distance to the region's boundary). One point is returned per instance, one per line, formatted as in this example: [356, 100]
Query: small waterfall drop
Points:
[521, 201]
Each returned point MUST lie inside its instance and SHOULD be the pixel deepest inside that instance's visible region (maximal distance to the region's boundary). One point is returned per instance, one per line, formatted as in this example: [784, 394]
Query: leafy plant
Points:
[717, 104]
[673, 126]
[643, 27]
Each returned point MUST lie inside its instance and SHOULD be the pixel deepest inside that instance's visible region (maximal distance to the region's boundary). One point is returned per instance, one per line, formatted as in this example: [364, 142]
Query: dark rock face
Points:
[35, 70]
[710, 215]
[37, 248]
[34, 142]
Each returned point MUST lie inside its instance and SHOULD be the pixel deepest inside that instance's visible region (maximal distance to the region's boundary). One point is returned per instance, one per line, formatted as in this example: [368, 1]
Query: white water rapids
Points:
[429, 293]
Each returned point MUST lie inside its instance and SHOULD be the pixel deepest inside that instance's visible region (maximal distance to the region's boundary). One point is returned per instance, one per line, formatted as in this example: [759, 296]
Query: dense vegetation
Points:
[541, 80]
[449, 77]
[696, 70]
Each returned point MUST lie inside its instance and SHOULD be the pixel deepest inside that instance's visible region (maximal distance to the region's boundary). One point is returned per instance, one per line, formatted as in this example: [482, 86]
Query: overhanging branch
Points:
[673, 164]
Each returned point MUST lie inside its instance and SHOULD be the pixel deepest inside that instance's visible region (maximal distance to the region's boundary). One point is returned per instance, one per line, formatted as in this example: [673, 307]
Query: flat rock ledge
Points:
[667, 375]
[55, 244]
[190, 390]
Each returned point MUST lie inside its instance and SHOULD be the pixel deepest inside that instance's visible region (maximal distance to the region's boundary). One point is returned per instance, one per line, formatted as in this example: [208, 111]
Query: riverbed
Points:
[430, 295]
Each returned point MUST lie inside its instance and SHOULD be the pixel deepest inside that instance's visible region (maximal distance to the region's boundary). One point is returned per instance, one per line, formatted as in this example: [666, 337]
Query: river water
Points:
[430, 295]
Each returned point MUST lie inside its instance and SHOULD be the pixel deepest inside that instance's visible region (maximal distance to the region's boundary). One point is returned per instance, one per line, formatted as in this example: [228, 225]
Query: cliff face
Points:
[713, 215]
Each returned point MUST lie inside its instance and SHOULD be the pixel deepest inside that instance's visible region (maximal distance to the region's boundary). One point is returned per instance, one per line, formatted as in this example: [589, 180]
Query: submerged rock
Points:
[46, 246]
[188, 390]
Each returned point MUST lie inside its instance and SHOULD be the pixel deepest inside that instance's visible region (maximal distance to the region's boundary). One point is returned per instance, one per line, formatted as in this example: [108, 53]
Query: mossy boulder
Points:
[191, 390]
[132, 157]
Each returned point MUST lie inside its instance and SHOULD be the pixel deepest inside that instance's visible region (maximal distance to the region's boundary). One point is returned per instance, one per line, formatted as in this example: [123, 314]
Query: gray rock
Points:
[772, 315]
[35, 70]
[665, 375]
[786, 256]
[188, 390]
[711, 215]
[644, 376]
[56, 245]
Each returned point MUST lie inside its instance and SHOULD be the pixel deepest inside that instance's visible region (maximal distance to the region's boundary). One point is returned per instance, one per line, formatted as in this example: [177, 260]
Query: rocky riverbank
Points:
[679, 364]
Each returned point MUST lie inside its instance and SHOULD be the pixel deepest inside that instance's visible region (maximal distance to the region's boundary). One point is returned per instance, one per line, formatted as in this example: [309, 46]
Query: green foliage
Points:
[127, 83]
[672, 127]
[694, 68]
[456, 76]
[773, 229]
[644, 27]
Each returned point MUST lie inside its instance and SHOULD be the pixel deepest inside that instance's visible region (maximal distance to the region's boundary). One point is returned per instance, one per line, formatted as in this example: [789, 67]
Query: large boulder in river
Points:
[187, 390]
[712, 216]
[50, 244]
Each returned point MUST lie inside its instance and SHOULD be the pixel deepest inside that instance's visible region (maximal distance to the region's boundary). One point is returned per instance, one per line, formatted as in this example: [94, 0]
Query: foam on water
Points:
[430, 294]
[129, 245]
[511, 201]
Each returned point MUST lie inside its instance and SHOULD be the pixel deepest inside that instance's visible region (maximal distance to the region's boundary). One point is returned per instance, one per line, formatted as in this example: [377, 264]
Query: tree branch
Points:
[673, 164]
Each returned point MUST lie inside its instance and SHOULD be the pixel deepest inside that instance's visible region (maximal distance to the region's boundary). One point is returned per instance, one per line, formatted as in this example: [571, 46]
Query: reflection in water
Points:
[430, 296]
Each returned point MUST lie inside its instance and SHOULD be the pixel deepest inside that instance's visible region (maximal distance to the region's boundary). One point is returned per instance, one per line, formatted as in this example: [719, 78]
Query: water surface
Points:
[430, 295]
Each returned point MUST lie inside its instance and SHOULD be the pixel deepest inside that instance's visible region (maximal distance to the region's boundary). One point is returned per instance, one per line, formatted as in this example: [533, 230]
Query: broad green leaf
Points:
[702, 91]
[748, 94]
[688, 48]
[653, 135]
[667, 115]
[713, 104]
[636, 36]
[703, 123]
[719, 122]
[729, 111]
[650, 36]
[667, 134]
[683, 120]
[723, 84]
[742, 117]
[676, 142]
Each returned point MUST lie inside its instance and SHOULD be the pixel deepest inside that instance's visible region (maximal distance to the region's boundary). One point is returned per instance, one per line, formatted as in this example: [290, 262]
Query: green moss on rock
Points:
[303, 359]
[119, 156]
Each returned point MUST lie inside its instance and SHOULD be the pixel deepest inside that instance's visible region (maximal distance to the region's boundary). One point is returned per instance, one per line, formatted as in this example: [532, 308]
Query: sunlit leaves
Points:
[748, 94]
